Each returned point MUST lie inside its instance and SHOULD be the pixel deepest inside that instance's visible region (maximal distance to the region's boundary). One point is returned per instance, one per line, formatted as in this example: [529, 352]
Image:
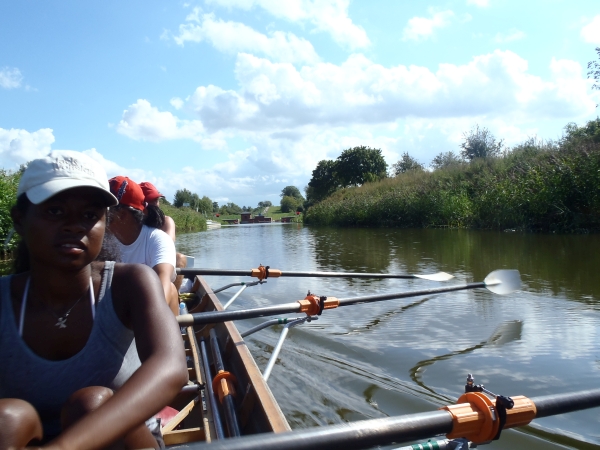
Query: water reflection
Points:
[504, 333]
[561, 265]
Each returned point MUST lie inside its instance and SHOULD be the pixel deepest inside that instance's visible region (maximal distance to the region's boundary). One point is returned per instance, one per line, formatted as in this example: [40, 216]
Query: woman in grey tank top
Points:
[88, 350]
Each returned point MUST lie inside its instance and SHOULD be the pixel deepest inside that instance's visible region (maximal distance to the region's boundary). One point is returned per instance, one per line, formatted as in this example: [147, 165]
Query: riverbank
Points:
[545, 187]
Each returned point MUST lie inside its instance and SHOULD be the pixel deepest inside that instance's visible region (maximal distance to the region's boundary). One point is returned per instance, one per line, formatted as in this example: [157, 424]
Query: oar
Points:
[410, 427]
[263, 272]
[499, 282]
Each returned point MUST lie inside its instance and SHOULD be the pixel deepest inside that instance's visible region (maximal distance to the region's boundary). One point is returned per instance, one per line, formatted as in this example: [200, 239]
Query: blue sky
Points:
[236, 99]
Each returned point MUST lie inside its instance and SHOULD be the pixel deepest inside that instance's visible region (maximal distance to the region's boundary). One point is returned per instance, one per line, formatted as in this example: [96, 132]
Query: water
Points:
[412, 355]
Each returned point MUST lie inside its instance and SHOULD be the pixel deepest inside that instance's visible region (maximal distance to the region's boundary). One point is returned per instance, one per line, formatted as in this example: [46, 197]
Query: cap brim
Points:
[43, 192]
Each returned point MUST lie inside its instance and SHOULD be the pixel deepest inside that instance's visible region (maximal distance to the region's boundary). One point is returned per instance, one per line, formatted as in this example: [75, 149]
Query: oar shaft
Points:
[343, 275]
[550, 405]
[370, 433]
[191, 272]
[379, 298]
[349, 436]
[274, 273]
[287, 308]
[226, 316]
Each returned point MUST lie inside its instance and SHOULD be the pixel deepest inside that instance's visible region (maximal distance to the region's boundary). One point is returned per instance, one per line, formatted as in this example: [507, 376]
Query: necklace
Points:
[61, 320]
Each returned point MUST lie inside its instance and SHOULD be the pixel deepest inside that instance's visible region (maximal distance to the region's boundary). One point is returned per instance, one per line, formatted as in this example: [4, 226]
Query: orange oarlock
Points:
[475, 416]
[264, 272]
[311, 304]
[223, 384]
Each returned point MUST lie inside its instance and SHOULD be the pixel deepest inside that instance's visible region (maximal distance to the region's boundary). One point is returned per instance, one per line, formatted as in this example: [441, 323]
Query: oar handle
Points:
[226, 316]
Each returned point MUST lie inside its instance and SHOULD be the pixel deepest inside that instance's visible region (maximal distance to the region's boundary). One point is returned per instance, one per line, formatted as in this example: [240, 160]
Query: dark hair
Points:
[155, 218]
[21, 262]
[136, 213]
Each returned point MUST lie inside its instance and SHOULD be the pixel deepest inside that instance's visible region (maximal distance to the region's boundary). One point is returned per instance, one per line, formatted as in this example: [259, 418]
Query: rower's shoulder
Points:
[131, 271]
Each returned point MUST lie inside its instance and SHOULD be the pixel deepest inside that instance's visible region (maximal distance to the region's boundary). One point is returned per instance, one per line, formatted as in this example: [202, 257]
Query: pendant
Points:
[61, 322]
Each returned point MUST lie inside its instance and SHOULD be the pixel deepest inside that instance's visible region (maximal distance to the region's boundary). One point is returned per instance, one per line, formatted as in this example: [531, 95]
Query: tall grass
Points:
[534, 187]
[186, 220]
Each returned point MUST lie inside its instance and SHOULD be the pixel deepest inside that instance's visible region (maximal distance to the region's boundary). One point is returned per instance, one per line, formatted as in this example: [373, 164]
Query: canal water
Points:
[413, 355]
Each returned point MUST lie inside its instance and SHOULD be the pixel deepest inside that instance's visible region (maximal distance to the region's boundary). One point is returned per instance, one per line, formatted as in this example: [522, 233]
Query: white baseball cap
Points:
[62, 170]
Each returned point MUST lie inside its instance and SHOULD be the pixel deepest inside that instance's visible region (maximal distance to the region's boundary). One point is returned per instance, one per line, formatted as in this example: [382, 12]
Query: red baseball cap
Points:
[150, 191]
[128, 192]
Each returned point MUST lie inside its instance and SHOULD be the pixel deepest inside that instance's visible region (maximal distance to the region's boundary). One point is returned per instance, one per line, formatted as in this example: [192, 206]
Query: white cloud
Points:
[479, 3]
[144, 122]
[289, 118]
[510, 36]
[329, 16]
[234, 37]
[591, 32]
[10, 78]
[20, 146]
[279, 97]
[422, 28]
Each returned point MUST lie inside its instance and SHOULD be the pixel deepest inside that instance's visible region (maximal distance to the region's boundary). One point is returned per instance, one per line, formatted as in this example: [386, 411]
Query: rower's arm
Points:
[169, 227]
[166, 273]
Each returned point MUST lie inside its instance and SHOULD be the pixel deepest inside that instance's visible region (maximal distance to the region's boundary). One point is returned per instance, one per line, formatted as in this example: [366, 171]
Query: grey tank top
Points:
[108, 359]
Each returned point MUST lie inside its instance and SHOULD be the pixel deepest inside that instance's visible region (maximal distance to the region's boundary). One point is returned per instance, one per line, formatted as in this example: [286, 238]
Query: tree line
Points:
[291, 201]
[547, 186]
[359, 165]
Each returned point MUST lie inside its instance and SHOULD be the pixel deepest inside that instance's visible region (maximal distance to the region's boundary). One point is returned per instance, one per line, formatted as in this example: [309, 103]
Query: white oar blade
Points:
[503, 281]
[440, 276]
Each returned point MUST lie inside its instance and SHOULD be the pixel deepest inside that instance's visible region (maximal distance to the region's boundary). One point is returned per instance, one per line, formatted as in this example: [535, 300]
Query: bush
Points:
[538, 186]
[9, 181]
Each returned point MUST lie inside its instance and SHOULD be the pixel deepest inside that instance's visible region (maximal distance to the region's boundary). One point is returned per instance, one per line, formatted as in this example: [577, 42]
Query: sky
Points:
[236, 99]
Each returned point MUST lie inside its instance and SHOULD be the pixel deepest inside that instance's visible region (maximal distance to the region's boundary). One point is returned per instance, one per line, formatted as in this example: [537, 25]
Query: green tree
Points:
[590, 132]
[290, 204]
[291, 191]
[323, 182]
[405, 164]
[359, 165]
[205, 205]
[594, 71]
[182, 196]
[230, 208]
[9, 181]
[215, 207]
[444, 160]
[480, 143]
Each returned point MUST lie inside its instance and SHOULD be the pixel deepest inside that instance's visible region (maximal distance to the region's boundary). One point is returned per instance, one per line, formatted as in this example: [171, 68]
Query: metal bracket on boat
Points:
[502, 403]
[271, 322]
[279, 345]
[237, 294]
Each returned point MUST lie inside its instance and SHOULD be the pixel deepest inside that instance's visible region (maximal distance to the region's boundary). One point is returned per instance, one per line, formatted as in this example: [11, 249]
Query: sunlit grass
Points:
[535, 187]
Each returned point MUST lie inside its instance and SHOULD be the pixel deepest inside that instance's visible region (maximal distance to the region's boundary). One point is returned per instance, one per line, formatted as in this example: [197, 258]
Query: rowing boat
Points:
[226, 394]
[228, 405]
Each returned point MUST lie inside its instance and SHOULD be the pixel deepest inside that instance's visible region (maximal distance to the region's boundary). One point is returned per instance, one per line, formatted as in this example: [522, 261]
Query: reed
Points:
[537, 186]
[186, 220]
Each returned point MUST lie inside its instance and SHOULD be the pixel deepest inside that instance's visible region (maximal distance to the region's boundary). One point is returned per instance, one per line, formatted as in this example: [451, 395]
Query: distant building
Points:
[247, 218]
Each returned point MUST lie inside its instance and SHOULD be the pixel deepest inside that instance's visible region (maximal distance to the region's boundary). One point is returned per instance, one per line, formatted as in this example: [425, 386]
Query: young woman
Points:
[71, 374]
[142, 241]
